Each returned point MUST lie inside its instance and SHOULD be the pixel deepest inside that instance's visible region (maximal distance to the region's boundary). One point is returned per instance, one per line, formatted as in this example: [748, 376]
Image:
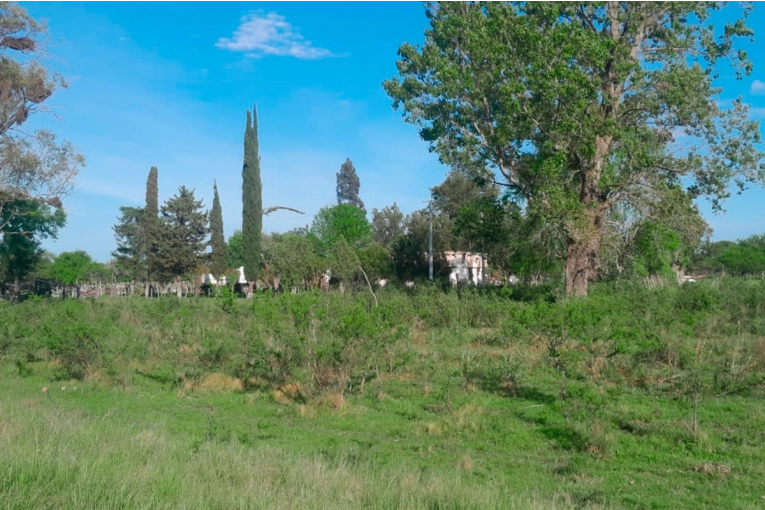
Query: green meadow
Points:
[477, 398]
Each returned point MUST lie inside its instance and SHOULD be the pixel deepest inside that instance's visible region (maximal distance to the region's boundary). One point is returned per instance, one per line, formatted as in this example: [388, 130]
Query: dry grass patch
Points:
[334, 400]
[466, 463]
[709, 468]
[288, 393]
[418, 333]
[433, 429]
[221, 382]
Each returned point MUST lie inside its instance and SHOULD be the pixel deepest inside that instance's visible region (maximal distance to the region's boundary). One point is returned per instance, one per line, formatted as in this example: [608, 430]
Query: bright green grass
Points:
[102, 448]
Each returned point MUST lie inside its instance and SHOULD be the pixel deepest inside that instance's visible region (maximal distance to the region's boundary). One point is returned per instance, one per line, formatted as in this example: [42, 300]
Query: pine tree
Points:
[348, 185]
[217, 238]
[129, 255]
[252, 199]
[182, 240]
[150, 226]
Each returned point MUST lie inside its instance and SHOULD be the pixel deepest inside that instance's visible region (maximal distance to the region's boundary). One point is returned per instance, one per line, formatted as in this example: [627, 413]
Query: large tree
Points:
[34, 166]
[348, 185]
[252, 199]
[580, 107]
[217, 238]
[183, 234]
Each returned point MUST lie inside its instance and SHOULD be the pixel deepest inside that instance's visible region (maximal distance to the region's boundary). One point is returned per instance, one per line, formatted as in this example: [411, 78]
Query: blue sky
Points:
[168, 84]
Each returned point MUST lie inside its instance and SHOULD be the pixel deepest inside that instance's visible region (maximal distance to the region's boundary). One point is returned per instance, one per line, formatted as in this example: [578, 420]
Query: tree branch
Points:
[269, 210]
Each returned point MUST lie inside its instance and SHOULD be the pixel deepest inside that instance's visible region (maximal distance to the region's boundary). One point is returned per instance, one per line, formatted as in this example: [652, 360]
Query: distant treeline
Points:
[738, 258]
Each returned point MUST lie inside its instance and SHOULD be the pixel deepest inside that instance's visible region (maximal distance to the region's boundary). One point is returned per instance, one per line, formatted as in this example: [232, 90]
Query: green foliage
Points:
[461, 188]
[348, 185]
[294, 258]
[742, 257]
[578, 108]
[341, 221]
[430, 379]
[130, 254]
[387, 224]
[76, 266]
[658, 249]
[376, 261]
[409, 255]
[151, 227]
[661, 237]
[71, 336]
[24, 225]
[227, 300]
[235, 250]
[345, 262]
[252, 199]
[217, 239]
[482, 223]
[152, 194]
[183, 234]
[697, 299]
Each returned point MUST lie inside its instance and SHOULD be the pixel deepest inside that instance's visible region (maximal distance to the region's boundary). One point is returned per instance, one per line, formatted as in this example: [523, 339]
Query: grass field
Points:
[629, 399]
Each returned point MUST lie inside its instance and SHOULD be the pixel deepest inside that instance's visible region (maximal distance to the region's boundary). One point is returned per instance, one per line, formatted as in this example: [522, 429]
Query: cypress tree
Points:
[252, 199]
[217, 239]
[150, 222]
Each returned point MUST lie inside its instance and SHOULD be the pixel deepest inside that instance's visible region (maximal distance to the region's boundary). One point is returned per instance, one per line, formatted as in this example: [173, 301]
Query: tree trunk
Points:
[583, 258]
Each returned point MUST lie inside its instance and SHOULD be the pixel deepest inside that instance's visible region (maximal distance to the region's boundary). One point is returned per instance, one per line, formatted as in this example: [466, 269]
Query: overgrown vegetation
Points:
[489, 397]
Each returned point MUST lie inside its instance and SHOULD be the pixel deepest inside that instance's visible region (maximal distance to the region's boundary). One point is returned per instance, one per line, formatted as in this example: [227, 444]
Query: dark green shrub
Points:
[697, 298]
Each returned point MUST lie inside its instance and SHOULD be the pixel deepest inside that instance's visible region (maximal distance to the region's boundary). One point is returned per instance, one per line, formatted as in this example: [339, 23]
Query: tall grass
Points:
[64, 459]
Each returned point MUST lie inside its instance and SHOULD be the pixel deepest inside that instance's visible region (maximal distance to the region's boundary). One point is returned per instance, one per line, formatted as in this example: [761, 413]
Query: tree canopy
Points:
[387, 224]
[29, 223]
[72, 267]
[34, 165]
[341, 221]
[183, 234]
[581, 107]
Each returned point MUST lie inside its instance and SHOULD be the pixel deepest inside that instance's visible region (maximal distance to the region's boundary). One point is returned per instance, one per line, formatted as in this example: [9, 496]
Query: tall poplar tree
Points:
[583, 108]
[252, 198]
[150, 223]
[217, 239]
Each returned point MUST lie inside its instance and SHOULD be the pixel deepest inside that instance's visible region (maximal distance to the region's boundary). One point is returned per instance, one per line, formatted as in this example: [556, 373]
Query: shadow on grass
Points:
[500, 386]
[567, 438]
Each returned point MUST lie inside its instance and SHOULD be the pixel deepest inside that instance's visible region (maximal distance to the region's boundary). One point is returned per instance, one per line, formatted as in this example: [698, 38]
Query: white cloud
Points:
[270, 34]
[758, 87]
